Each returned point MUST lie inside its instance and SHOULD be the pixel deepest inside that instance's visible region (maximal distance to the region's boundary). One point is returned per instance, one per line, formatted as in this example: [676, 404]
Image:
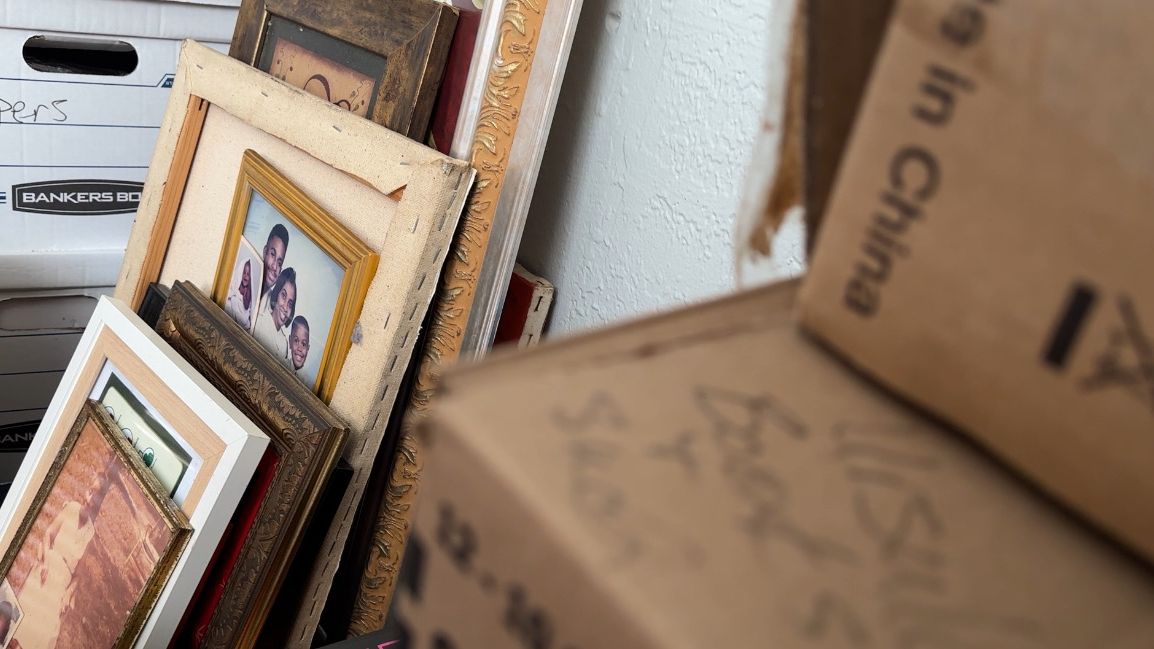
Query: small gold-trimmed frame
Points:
[334, 239]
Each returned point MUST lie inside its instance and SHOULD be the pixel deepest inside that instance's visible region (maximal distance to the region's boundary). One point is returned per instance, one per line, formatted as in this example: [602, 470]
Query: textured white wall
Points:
[634, 208]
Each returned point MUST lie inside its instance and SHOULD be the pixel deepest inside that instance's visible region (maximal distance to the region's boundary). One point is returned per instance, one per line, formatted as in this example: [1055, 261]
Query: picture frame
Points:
[171, 395]
[350, 267]
[399, 197]
[306, 439]
[101, 531]
[510, 98]
[380, 60]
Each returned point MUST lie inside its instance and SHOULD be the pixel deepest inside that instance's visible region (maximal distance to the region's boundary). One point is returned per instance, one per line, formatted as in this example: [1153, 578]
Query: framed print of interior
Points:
[300, 302]
[398, 197]
[91, 555]
[307, 439]
[380, 60]
[510, 97]
[201, 448]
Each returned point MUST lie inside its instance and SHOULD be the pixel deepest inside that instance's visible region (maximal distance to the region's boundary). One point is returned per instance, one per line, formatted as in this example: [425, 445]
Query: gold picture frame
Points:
[92, 428]
[357, 261]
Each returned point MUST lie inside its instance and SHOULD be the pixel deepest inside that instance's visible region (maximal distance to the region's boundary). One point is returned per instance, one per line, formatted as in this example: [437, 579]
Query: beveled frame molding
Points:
[429, 189]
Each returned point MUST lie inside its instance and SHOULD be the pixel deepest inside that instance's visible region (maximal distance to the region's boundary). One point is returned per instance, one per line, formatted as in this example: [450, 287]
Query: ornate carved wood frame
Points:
[363, 167]
[412, 36]
[509, 103]
[307, 439]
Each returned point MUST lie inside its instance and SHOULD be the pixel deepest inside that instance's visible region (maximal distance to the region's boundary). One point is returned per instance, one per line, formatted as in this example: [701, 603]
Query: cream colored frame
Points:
[429, 189]
[357, 260]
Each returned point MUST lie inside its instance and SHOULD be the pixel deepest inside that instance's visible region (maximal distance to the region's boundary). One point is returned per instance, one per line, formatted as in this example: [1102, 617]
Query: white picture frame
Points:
[229, 445]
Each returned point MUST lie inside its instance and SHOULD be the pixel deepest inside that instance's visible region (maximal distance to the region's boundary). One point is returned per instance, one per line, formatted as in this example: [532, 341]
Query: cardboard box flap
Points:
[638, 337]
[986, 248]
[741, 490]
[1086, 63]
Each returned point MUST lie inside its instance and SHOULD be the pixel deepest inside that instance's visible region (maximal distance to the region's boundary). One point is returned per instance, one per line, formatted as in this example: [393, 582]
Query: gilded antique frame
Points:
[427, 191]
[413, 36]
[358, 260]
[177, 521]
[507, 110]
[306, 436]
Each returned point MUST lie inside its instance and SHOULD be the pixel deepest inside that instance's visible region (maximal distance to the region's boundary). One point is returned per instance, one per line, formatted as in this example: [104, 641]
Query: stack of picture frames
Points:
[236, 424]
[176, 484]
[506, 64]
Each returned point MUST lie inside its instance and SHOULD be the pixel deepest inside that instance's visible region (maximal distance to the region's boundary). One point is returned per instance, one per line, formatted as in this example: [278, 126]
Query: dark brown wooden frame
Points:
[305, 434]
[177, 521]
[842, 41]
[413, 35]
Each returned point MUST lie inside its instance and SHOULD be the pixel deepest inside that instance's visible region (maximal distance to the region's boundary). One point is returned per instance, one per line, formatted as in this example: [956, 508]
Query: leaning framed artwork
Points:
[507, 110]
[300, 302]
[201, 449]
[307, 439]
[379, 60]
[397, 197]
[92, 554]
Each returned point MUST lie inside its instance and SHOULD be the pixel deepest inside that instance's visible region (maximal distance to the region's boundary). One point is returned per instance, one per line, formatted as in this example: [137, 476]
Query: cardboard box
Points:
[39, 330]
[986, 253]
[78, 145]
[711, 478]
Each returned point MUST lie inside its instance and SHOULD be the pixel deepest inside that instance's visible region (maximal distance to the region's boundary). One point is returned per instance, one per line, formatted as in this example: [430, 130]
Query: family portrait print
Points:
[298, 290]
[88, 553]
[307, 286]
[168, 455]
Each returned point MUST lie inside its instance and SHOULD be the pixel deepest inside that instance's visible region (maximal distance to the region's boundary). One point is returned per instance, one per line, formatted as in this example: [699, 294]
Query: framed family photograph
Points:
[302, 297]
[201, 450]
[379, 60]
[92, 554]
[307, 439]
